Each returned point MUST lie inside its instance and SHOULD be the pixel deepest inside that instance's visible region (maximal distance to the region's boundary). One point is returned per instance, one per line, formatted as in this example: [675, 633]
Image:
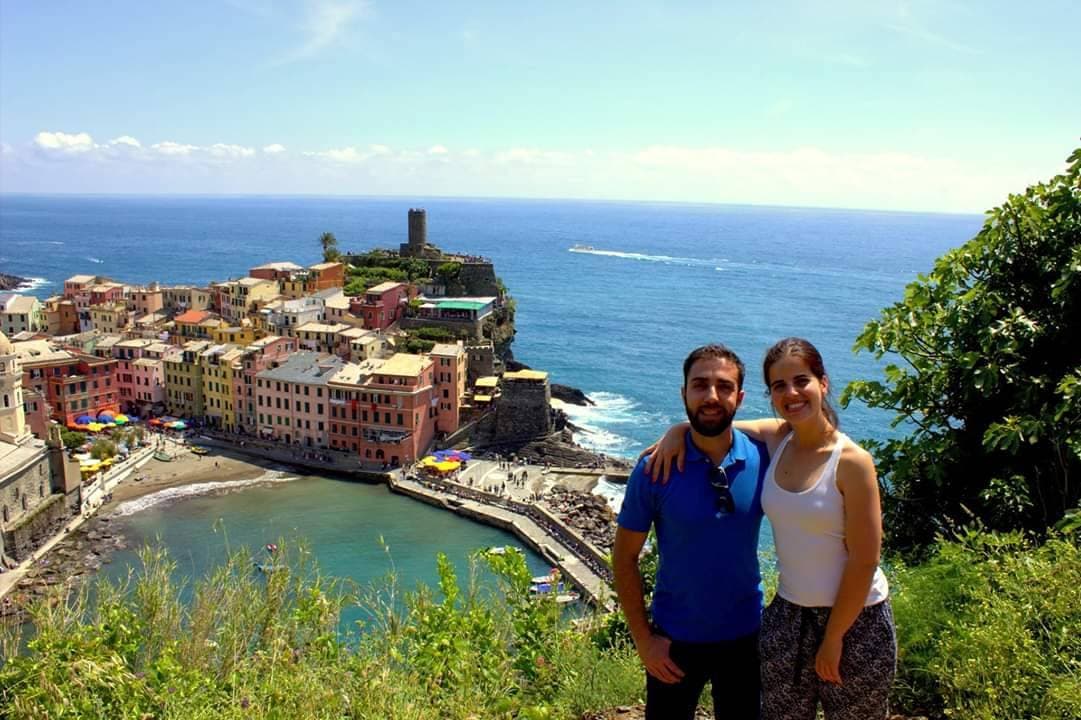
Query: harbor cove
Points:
[197, 505]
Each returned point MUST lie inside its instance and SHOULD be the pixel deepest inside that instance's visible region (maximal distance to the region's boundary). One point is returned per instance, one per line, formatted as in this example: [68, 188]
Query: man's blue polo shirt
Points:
[708, 585]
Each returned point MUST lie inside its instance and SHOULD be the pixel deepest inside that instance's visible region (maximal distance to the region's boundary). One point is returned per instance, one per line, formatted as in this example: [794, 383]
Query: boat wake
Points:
[95, 260]
[643, 257]
[185, 491]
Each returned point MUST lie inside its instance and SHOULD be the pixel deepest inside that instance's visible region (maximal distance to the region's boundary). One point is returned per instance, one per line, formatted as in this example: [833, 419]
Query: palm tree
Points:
[330, 247]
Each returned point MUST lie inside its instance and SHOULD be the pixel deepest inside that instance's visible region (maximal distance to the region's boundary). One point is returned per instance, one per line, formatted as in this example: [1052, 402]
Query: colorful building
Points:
[265, 353]
[181, 298]
[72, 383]
[393, 405]
[450, 373]
[276, 271]
[220, 370]
[320, 337]
[110, 318]
[291, 399]
[21, 313]
[381, 306]
[184, 380]
[146, 300]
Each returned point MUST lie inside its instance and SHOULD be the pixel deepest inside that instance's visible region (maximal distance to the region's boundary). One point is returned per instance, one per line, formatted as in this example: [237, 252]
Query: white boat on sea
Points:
[582, 248]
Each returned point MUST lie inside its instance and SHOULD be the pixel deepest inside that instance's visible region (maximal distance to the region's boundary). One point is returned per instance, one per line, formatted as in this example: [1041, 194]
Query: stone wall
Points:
[36, 527]
[481, 361]
[464, 329]
[521, 413]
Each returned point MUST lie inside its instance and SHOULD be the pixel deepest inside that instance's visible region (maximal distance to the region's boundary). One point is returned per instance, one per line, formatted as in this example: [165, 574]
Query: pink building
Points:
[381, 306]
[139, 374]
[292, 399]
[450, 369]
[106, 293]
[384, 411]
[149, 377]
[263, 354]
[276, 271]
[146, 300]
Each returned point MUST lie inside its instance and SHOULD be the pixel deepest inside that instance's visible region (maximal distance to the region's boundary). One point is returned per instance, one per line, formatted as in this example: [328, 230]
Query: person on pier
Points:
[707, 601]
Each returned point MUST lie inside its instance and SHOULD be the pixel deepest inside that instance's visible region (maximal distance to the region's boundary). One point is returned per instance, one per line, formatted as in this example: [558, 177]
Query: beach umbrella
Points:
[447, 465]
[95, 427]
[155, 422]
[179, 425]
[121, 419]
[105, 417]
[462, 455]
[83, 420]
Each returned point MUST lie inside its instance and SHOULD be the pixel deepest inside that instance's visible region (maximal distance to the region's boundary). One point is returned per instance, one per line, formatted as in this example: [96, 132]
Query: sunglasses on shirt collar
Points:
[718, 478]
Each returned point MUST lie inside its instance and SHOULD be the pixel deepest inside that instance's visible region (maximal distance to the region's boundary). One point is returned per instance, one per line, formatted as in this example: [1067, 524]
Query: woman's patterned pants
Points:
[791, 690]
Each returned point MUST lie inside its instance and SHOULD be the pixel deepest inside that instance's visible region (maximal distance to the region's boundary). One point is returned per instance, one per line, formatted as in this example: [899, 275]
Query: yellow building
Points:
[243, 334]
[239, 297]
[221, 368]
[184, 380]
[112, 319]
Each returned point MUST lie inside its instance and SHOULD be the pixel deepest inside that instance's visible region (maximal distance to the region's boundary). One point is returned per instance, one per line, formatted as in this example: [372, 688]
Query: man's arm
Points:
[652, 649]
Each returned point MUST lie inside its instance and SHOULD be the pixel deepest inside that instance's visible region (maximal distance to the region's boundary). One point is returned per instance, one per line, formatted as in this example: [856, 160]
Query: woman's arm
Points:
[670, 451]
[858, 482]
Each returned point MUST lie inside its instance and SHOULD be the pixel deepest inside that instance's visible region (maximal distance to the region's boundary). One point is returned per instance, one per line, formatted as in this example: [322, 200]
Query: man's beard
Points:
[709, 428]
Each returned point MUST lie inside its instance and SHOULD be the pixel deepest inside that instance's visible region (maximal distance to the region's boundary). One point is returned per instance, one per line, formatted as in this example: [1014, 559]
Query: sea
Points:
[611, 296]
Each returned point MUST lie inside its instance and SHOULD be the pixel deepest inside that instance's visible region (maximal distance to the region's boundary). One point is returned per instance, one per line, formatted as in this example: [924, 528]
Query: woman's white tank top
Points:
[809, 534]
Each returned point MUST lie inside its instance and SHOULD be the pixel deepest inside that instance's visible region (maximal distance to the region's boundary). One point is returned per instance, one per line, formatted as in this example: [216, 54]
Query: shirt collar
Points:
[737, 454]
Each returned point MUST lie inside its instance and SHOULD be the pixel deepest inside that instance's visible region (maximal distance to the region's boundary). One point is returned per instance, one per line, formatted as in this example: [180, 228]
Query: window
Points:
[400, 420]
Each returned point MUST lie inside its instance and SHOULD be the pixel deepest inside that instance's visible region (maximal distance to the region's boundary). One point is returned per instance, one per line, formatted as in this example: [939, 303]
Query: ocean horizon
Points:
[610, 299]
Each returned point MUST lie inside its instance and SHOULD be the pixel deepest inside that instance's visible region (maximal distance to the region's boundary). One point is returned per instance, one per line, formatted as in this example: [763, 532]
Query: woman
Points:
[828, 635]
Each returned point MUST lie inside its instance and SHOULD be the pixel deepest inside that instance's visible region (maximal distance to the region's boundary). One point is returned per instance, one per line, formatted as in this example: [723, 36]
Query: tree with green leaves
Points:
[985, 374]
[329, 243]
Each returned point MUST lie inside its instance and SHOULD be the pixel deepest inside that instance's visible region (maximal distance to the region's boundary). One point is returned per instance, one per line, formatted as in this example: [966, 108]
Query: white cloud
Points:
[221, 150]
[168, 147]
[809, 176]
[64, 142]
[326, 23]
[126, 140]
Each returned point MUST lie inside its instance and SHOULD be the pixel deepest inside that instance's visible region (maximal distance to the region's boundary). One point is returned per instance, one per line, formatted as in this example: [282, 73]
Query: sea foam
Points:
[643, 257]
[185, 491]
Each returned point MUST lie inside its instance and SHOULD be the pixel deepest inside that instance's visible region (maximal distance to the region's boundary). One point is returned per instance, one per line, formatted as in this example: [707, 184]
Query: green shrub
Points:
[72, 438]
[989, 628]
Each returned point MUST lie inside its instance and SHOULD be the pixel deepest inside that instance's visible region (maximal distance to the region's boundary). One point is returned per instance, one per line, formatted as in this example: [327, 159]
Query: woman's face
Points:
[794, 390]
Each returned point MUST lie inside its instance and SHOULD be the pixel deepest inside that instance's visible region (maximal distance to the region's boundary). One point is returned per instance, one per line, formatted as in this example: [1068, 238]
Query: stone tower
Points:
[12, 417]
[418, 246]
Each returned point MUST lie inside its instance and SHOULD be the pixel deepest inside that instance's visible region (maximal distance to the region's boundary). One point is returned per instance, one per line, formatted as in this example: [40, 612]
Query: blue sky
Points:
[898, 105]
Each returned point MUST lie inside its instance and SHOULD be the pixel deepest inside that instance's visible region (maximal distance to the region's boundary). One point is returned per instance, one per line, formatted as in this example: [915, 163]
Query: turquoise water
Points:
[341, 522]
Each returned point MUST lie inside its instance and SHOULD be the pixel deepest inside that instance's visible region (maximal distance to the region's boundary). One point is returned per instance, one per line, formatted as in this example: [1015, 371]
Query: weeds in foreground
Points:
[989, 628]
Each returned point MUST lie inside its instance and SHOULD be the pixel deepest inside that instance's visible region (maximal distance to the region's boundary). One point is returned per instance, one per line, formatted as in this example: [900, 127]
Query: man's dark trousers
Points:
[731, 667]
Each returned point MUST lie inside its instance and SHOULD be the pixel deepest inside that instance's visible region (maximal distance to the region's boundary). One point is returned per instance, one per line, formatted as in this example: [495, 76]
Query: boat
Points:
[567, 598]
[497, 550]
[267, 568]
[163, 456]
[549, 578]
[199, 450]
[582, 248]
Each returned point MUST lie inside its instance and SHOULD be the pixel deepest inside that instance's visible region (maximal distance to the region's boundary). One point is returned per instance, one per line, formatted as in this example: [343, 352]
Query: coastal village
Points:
[389, 366]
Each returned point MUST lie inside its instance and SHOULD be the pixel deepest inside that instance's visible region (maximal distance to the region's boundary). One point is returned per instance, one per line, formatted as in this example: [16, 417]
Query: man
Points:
[707, 603]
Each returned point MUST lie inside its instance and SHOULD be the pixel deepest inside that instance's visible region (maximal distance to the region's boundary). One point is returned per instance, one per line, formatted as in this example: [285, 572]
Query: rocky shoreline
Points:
[12, 282]
[75, 558]
[586, 513]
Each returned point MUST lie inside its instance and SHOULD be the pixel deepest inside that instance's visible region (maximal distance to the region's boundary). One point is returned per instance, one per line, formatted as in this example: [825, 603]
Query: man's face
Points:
[712, 395]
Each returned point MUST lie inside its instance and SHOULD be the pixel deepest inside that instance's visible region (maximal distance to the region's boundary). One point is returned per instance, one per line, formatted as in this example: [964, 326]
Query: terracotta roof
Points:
[192, 317]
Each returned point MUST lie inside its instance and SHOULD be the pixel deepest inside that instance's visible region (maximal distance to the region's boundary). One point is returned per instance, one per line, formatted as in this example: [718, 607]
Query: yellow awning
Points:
[482, 398]
[490, 381]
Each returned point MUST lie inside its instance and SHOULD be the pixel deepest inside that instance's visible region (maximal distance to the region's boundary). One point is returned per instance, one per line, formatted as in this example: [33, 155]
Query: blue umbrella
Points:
[105, 417]
[84, 420]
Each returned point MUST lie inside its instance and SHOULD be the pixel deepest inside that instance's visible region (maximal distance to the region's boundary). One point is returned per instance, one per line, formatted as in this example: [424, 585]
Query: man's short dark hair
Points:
[713, 350]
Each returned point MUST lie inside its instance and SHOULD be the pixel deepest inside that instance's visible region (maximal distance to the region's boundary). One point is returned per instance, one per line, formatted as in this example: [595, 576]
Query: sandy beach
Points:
[187, 468]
